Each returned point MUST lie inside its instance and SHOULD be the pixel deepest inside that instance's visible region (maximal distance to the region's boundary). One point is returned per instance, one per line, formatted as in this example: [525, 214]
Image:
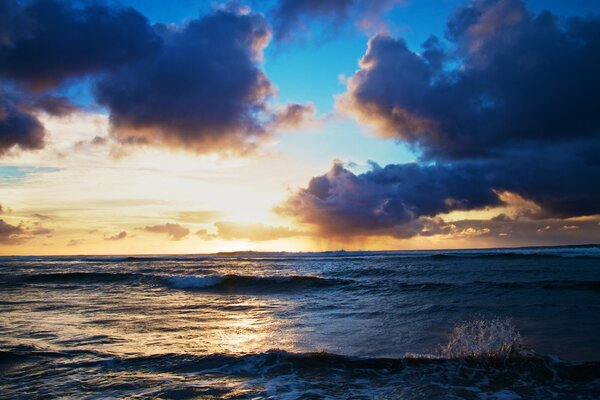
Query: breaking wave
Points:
[231, 282]
[278, 374]
[495, 338]
[73, 277]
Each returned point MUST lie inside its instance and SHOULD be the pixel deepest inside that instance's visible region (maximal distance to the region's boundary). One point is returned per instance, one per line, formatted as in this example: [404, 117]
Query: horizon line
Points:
[235, 252]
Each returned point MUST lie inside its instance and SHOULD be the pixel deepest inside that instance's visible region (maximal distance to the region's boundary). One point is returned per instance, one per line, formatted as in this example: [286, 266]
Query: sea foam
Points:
[484, 338]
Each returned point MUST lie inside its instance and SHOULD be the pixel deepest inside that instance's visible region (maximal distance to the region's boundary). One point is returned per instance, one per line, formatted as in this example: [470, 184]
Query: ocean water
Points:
[485, 324]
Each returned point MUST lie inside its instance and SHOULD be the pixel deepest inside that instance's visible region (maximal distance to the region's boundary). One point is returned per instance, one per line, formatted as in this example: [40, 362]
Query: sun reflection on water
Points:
[153, 322]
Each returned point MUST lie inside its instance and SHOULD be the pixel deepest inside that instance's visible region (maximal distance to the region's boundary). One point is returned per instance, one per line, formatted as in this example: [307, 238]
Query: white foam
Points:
[496, 338]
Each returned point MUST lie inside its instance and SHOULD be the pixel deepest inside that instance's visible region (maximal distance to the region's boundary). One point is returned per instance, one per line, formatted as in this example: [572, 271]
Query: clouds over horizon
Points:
[11, 234]
[388, 201]
[403, 201]
[174, 231]
[119, 236]
[489, 110]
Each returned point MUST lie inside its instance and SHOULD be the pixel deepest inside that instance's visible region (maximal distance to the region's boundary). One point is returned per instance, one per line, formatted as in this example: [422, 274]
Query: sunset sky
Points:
[150, 127]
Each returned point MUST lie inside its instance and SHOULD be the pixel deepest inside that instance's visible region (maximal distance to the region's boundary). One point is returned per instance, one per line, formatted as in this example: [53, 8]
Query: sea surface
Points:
[338, 325]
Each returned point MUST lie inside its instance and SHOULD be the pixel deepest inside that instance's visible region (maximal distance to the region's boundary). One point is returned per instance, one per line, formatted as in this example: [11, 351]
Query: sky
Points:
[151, 127]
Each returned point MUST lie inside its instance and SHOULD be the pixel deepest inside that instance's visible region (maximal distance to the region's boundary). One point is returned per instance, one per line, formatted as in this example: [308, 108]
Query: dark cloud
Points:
[174, 231]
[204, 92]
[396, 199]
[501, 218]
[10, 234]
[291, 17]
[387, 201]
[197, 86]
[405, 200]
[18, 126]
[119, 236]
[509, 106]
[45, 42]
[57, 106]
[512, 80]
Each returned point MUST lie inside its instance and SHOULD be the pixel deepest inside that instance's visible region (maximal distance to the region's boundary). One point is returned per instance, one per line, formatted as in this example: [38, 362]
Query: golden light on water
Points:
[206, 324]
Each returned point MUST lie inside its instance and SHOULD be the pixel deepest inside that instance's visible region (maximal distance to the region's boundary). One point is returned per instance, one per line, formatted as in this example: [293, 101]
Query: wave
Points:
[547, 285]
[84, 277]
[513, 256]
[230, 282]
[315, 361]
[278, 374]
[233, 282]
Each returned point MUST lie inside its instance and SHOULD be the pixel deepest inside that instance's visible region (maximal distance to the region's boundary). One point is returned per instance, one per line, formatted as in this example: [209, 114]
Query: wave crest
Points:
[484, 338]
[233, 282]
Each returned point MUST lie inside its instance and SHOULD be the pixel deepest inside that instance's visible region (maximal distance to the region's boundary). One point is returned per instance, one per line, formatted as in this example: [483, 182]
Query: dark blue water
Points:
[324, 325]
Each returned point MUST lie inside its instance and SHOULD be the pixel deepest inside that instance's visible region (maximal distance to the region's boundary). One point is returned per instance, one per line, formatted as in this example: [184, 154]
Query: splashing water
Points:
[484, 338]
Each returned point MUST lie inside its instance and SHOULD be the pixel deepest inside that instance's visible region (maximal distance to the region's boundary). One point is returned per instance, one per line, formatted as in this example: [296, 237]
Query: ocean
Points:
[470, 324]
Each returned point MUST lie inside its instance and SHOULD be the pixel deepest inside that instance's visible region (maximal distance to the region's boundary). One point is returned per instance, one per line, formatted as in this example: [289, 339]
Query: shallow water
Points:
[320, 325]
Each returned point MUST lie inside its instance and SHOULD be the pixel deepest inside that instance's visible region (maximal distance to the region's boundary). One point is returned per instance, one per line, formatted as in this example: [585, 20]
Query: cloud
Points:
[57, 106]
[255, 232]
[293, 115]
[491, 116]
[498, 88]
[294, 17]
[42, 217]
[119, 236]
[197, 86]
[515, 232]
[204, 92]
[45, 42]
[41, 231]
[406, 200]
[75, 242]
[174, 231]
[11, 234]
[396, 200]
[18, 126]
[386, 201]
